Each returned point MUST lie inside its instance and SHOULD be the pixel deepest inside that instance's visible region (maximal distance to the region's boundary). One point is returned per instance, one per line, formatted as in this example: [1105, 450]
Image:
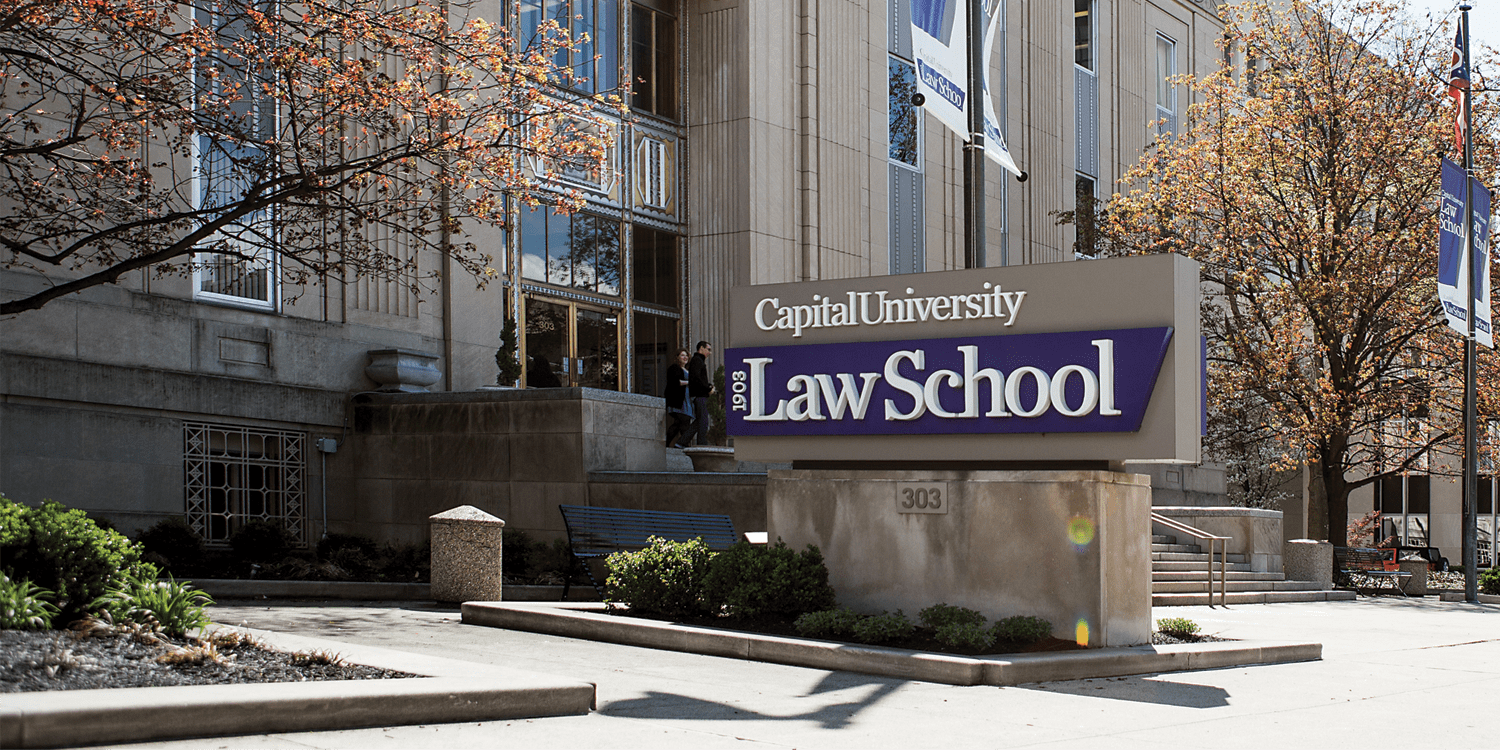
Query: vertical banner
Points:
[1453, 265]
[939, 44]
[994, 140]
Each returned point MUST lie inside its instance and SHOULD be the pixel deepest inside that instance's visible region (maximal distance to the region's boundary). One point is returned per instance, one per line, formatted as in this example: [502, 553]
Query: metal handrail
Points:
[1223, 541]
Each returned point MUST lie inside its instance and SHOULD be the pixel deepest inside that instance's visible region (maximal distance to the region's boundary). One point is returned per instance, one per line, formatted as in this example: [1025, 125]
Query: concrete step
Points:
[1197, 575]
[1189, 548]
[1251, 597]
[1199, 586]
[1233, 557]
[1169, 566]
[1163, 539]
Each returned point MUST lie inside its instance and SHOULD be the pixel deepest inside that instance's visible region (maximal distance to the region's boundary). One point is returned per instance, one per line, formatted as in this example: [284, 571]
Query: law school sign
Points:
[1096, 361]
[958, 437]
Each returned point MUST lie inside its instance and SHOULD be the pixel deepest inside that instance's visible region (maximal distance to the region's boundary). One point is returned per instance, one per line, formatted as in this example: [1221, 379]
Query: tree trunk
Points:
[1338, 508]
[1317, 502]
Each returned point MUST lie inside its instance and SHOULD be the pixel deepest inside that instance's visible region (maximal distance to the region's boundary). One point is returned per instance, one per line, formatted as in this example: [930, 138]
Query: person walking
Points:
[679, 404]
[700, 387]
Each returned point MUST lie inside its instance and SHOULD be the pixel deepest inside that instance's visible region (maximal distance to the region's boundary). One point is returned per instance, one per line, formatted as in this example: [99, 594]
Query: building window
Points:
[1083, 34]
[595, 25]
[1085, 216]
[1405, 504]
[1166, 93]
[656, 344]
[238, 264]
[905, 128]
[653, 62]
[652, 173]
[576, 250]
[655, 266]
[235, 475]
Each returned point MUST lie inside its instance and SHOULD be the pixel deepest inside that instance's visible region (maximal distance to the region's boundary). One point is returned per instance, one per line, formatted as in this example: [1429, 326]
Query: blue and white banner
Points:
[994, 140]
[939, 39]
[1453, 264]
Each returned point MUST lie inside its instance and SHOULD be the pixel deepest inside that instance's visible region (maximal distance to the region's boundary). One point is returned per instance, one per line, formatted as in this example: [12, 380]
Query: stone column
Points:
[1309, 560]
[466, 555]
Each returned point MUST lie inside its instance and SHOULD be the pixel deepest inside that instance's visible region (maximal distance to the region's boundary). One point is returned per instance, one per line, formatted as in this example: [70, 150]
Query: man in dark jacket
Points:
[700, 387]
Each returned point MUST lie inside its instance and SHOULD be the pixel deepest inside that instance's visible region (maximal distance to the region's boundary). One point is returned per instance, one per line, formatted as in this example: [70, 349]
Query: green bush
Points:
[883, 628]
[665, 578]
[174, 542]
[1489, 581]
[747, 581]
[262, 541]
[516, 552]
[333, 544]
[171, 606]
[939, 615]
[1022, 629]
[970, 636]
[23, 606]
[62, 551]
[830, 623]
[1180, 627]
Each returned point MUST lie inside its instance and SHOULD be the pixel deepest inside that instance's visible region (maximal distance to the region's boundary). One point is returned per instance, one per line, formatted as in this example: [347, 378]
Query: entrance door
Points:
[571, 344]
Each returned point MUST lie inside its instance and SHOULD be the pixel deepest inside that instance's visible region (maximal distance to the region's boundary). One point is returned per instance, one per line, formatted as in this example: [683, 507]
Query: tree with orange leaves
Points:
[1306, 184]
[294, 136]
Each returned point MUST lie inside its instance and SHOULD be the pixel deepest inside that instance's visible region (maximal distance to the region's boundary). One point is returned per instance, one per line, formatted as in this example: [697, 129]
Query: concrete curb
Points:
[239, 588]
[588, 622]
[1458, 596]
[447, 691]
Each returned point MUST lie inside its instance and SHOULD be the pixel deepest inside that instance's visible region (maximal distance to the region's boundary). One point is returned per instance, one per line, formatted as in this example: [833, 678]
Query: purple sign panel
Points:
[1078, 381]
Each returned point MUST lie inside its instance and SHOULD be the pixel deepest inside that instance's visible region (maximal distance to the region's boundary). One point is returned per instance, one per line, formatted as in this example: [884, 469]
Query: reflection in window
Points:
[579, 251]
[902, 114]
[1166, 93]
[1085, 215]
[1083, 34]
[655, 346]
[653, 61]
[655, 266]
[599, 20]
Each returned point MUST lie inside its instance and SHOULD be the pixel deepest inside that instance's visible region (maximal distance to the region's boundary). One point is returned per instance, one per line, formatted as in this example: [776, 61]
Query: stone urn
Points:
[402, 371]
[712, 458]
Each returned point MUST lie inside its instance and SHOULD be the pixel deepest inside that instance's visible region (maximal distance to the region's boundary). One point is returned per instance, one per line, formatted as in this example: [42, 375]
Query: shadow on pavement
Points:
[1141, 690]
[658, 705]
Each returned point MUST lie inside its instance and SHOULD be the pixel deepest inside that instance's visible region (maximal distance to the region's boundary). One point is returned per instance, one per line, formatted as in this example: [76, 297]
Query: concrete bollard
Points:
[1416, 585]
[466, 555]
[1309, 560]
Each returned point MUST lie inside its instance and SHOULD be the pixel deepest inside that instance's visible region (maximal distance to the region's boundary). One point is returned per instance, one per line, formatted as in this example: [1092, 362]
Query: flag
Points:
[940, 34]
[1457, 299]
[1458, 84]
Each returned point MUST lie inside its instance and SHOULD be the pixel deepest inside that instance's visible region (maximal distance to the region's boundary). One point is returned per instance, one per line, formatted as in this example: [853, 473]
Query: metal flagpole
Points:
[974, 148]
[1471, 463]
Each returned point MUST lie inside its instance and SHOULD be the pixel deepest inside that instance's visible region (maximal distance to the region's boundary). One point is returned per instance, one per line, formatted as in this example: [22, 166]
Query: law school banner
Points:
[1453, 266]
[994, 140]
[939, 38]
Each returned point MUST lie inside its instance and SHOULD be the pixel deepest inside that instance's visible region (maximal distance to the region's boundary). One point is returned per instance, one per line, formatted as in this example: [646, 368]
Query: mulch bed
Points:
[921, 640]
[64, 660]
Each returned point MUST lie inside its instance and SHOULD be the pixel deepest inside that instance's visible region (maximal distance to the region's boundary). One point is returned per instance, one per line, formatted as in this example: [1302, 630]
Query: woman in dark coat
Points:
[679, 406]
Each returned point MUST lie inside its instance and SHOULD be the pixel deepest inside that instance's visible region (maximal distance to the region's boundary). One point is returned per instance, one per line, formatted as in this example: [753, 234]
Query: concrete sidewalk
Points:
[1394, 672]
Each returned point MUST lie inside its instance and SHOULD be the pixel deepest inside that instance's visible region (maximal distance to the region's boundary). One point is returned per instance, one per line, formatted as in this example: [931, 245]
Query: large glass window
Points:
[1166, 92]
[580, 250]
[595, 66]
[1405, 505]
[653, 61]
[656, 343]
[1083, 34]
[905, 146]
[655, 266]
[1085, 215]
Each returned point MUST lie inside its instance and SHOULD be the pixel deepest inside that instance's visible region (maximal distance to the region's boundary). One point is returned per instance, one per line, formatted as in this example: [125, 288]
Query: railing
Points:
[1223, 541]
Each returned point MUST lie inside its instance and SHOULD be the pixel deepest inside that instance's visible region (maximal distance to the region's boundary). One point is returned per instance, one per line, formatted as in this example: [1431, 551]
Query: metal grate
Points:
[237, 474]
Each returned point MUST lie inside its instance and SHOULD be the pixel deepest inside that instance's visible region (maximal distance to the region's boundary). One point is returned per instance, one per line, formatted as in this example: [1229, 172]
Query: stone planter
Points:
[402, 371]
[712, 458]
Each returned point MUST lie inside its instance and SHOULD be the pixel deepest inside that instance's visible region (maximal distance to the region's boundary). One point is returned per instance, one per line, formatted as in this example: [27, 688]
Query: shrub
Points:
[1489, 581]
[405, 562]
[335, 543]
[830, 623]
[173, 540]
[516, 552]
[23, 606]
[970, 636]
[1022, 629]
[747, 581]
[883, 628]
[261, 541]
[62, 551]
[939, 615]
[1180, 627]
[174, 607]
[665, 578]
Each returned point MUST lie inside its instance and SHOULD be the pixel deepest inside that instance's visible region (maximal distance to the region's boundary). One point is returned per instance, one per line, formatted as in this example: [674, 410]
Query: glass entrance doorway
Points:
[571, 344]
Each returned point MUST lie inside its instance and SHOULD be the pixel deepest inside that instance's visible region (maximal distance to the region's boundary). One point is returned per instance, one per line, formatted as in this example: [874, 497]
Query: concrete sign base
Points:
[1072, 547]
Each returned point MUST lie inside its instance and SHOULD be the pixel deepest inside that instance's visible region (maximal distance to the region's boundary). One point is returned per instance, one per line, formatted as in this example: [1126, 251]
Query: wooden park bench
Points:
[596, 533]
[1354, 566]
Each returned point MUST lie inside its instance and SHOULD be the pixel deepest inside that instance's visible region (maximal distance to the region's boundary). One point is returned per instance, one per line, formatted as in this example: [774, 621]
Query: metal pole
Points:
[974, 149]
[1471, 463]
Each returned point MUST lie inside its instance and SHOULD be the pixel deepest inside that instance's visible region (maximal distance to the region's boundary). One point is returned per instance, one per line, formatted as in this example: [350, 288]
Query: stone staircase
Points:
[1178, 578]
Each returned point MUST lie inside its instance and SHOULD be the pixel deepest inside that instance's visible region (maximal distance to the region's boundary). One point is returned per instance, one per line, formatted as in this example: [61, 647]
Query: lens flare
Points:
[1081, 532]
[1081, 633]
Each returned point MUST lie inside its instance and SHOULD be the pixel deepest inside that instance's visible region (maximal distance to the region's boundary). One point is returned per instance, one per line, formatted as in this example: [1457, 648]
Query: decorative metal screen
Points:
[240, 474]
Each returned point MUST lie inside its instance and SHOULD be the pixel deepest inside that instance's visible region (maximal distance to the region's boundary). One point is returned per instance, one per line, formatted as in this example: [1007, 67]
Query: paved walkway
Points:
[1395, 673]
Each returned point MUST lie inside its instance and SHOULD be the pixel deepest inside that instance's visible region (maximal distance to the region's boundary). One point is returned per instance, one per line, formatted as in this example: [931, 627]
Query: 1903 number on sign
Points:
[922, 497]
